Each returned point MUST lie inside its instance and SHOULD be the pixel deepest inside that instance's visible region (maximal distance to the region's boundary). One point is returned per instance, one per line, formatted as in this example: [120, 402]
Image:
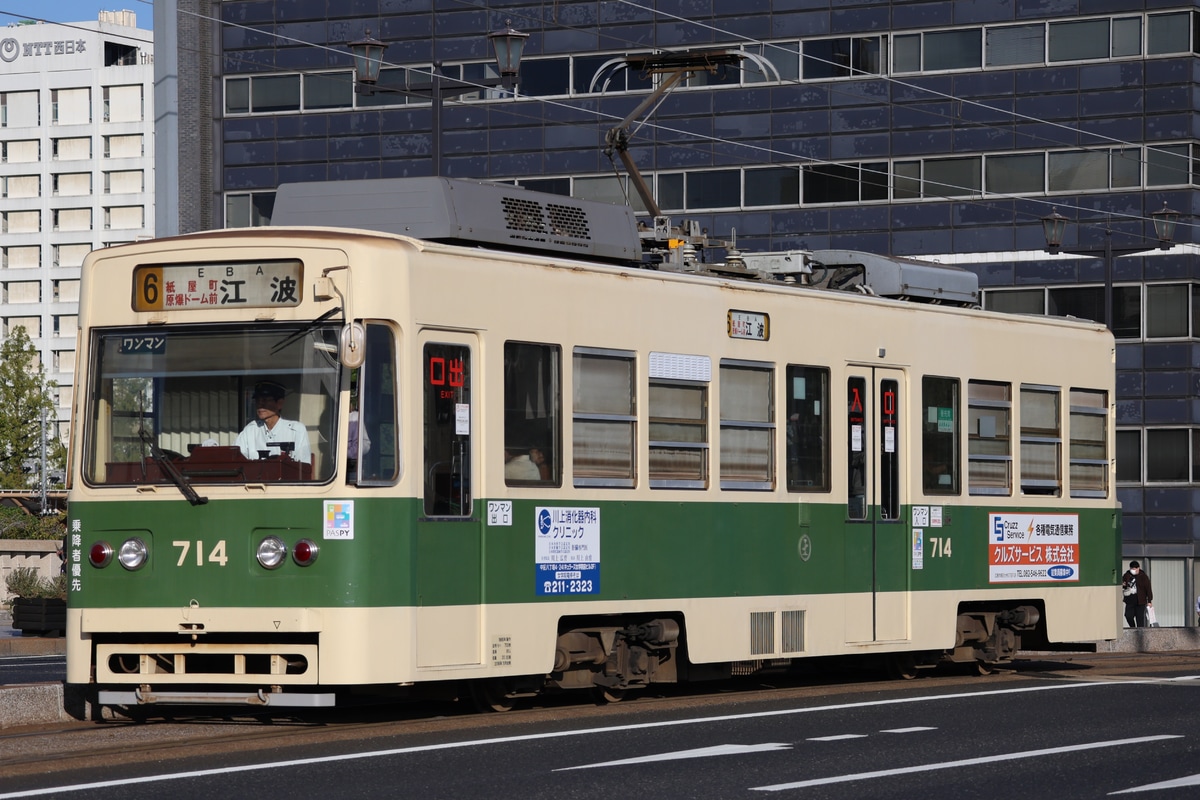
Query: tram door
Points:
[448, 563]
[876, 541]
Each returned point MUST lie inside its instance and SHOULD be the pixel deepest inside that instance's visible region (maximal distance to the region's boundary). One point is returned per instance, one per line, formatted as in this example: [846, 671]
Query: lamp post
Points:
[1055, 225]
[507, 43]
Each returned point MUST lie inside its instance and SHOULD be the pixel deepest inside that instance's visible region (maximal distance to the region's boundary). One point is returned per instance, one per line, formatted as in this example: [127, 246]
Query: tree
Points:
[26, 400]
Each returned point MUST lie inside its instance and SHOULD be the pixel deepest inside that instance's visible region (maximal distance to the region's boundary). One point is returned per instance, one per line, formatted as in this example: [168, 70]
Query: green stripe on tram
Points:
[648, 550]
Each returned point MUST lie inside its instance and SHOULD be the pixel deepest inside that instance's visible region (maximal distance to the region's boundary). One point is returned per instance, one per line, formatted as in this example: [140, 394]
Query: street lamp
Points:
[1055, 225]
[507, 43]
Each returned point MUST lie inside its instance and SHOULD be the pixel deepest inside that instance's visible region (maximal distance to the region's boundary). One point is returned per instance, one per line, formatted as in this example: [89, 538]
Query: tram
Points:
[532, 463]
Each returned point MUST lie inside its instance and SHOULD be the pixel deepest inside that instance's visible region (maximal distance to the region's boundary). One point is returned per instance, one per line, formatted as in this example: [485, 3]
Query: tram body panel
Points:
[427, 586]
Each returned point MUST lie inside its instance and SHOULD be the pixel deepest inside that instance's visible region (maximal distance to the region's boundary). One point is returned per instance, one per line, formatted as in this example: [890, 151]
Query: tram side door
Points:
[448, 564]
[876, 540]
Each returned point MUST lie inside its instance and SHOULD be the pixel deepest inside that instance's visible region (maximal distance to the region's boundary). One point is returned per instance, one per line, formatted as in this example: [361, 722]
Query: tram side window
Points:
[678, 434]
[939, 435]
[989, 446]
[532, 414]
[1041, 440]
[604, 416]
[373, 450]
[747, 450]
[807, 429]
[856, 448]
[1089, 443]
[447, 375]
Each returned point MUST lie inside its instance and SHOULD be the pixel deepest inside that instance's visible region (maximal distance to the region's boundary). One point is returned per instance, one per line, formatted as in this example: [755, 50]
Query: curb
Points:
[32, 704]
[18, 645]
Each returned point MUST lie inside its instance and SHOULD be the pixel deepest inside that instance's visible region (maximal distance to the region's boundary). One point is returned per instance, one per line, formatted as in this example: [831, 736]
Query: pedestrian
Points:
[1198, 609]
[1135, 586]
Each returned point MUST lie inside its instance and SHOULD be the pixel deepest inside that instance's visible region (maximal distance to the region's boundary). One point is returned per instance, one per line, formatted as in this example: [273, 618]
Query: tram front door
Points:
[876, 540]
[448, 554]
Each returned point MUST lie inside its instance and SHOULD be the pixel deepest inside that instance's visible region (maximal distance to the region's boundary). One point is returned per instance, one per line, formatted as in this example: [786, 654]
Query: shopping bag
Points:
[1151, 618]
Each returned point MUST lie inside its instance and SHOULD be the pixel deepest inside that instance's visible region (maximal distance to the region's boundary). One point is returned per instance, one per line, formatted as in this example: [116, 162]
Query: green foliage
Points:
[16, 524]
[26, 582]
[25, 396]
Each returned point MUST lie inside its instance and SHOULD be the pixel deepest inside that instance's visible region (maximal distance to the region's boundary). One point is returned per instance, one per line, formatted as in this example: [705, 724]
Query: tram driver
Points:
[270, 434]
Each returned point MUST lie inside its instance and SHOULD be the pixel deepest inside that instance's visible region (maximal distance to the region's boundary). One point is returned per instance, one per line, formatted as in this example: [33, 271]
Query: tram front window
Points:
[179, 398]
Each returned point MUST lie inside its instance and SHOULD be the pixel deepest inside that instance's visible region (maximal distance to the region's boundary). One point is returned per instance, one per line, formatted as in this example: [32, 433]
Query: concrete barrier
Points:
[1152, 640]
[32, 704]
[41, 554]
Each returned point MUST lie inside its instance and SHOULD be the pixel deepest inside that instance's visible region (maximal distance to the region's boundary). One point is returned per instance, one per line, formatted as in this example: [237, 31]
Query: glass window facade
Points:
[809, 145]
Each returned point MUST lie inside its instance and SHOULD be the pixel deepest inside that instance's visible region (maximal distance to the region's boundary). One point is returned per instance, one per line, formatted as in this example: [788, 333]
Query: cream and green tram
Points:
[526, 471]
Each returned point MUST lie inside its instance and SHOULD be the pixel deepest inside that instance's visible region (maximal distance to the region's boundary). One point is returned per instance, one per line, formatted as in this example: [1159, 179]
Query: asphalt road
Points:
[32, 669]
[1058, 732]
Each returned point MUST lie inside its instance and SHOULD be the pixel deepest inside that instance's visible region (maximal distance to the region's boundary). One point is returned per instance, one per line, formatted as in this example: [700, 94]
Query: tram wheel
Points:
[604, 695]
[491, 695]
[985, 667]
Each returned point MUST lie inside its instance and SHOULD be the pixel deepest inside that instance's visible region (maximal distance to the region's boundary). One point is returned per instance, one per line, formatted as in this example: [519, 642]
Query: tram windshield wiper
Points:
[165, 464]
[316, 323]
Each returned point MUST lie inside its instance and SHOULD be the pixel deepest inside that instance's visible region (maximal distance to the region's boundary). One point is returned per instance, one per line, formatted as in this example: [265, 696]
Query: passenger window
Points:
[1089, 443]
[747, 426]
[1041, 440]
[989, 450]
[940, 435]
[604, 404]
[532, 414]
[373, 451]
[678, 412]
[807, 429]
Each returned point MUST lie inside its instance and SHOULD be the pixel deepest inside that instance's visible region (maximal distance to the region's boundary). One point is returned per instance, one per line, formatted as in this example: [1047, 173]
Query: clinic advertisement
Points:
[567, 550]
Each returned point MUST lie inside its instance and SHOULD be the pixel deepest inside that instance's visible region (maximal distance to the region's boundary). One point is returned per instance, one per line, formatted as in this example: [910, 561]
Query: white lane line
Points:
[1177, 783]
[837, 738]
[702, 752]
[966, 762]
[914, 729]
[175, 776]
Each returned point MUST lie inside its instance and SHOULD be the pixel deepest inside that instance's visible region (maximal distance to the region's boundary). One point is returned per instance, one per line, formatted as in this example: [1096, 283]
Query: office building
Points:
[936, 130]
[76, 170]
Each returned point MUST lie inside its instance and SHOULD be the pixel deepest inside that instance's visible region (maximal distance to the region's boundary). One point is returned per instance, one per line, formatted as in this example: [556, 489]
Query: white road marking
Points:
[966, 762]
[175, 776]
[1177, 783]
[914, 729]
[837, 738]
[702, 752]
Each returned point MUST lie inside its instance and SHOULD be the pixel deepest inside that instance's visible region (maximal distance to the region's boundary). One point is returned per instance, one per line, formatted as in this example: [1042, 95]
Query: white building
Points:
[76, 170]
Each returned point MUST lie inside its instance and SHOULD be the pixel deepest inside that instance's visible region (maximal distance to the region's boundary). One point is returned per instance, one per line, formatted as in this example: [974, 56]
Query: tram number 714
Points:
[215, 556]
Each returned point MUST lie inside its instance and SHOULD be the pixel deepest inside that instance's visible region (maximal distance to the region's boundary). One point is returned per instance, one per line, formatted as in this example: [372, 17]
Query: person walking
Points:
[1135, 586]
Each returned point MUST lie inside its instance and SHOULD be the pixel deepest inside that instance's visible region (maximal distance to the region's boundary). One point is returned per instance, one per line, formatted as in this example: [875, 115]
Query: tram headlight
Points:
[271, 552]
[305, 552]
[101, 554]
[132, 554]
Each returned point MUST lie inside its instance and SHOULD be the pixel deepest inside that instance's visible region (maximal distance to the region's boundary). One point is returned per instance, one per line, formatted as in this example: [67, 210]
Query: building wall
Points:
[184, 124]
[77, 170]
[872, 129]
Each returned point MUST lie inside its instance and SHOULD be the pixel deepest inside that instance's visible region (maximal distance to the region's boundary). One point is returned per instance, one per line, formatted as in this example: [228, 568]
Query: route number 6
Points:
[216, 556]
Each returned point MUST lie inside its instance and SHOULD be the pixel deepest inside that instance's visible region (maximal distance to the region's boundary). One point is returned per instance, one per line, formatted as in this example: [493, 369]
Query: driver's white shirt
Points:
[256, 436]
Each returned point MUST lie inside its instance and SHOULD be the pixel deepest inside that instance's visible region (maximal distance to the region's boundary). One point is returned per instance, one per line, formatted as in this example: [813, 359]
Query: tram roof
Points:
[465, 212]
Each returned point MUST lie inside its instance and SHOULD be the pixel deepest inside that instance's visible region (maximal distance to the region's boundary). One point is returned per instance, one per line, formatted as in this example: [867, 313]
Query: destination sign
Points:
[748, 325]
[198, 287]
